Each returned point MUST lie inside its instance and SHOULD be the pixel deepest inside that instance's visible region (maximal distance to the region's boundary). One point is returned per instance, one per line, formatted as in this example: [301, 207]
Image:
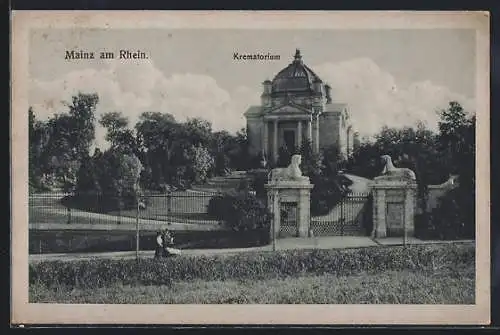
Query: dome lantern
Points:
[296, 77]
[298, 56]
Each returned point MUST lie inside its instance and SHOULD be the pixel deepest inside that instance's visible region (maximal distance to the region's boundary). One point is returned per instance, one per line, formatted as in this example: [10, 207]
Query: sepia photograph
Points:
[248, 163]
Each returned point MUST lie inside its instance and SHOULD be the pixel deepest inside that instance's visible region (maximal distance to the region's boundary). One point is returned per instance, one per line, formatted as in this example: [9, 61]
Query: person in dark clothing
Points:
[159, 250]
[168, 242]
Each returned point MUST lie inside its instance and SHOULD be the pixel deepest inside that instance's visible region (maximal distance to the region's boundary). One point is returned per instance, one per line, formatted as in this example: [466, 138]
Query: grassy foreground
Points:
[394, 287]
[422, 275]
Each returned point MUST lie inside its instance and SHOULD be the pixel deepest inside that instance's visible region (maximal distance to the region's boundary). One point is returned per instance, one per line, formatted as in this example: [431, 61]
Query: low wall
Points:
[436, 192]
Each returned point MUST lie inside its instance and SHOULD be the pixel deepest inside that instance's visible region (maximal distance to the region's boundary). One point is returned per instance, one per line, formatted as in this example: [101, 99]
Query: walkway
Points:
[359, 184]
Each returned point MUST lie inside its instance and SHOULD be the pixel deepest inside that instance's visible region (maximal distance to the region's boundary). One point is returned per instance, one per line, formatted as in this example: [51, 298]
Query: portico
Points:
[288, 131]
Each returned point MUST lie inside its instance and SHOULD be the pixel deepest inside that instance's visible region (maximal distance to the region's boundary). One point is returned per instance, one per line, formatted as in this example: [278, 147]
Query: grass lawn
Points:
[392, 287]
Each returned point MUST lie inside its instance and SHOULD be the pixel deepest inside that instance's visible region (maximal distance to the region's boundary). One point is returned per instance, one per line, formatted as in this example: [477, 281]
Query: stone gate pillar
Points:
[394, 202]
[287, 185]
[298, 193]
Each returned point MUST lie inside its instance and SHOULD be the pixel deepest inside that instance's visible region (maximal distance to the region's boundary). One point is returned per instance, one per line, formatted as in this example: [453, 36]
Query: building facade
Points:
[297, 105]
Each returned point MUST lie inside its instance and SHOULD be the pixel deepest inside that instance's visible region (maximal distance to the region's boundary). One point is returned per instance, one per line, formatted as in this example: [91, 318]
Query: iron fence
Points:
[185, 207]
[350, 217]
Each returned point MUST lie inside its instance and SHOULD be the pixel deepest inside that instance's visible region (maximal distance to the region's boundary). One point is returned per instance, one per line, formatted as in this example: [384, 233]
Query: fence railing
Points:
[186, 207]
[351, 216]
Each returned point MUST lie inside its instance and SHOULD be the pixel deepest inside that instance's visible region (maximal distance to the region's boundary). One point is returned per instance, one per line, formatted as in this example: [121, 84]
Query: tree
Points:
[118, 134]
[222, 147]
[199, 163]
[38, 137]
[159, 133]
[87, 177]
[457, 136]
[82, 115]
[198, 130]
[455, 215]
[61, 154]
[312, 163]
[416, 148]
[239, 155]
[332, 161]
[58, 146]
[118, 176]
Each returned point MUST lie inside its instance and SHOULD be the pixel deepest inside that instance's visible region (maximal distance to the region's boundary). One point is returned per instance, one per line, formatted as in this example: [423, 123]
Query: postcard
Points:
[253, 167]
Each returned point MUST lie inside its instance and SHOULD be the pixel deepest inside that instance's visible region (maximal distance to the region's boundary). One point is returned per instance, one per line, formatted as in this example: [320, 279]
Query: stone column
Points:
[304, 220]
[276, 213]
[410, 205]
[275, 141]
[316, 135]
[299, 133]
[265, 138]
[379, 220]
[309, 130]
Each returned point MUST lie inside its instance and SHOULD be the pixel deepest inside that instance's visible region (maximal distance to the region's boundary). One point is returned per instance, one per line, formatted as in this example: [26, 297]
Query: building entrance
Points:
[289, 139]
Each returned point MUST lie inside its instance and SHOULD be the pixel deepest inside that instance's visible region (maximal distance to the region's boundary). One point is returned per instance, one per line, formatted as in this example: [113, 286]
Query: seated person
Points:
[159, 250]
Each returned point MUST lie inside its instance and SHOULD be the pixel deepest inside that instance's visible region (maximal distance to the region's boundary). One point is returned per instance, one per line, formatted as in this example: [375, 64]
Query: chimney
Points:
[267, 86]
[328, 91]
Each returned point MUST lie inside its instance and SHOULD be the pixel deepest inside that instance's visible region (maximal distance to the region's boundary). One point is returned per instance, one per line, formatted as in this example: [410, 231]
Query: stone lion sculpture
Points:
[391, 170]
[292, 172]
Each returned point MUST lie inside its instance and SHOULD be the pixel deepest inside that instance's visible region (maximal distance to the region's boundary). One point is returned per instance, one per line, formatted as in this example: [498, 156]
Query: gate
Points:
[352, 216]
[288, 219]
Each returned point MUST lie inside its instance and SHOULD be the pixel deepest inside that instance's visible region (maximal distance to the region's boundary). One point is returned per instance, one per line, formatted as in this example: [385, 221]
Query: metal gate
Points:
[351, 216]
[288, 219]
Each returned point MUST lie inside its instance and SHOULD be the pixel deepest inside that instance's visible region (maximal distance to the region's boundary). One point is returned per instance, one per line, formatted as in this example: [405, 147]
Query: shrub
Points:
[217, 205]
[242, 212]
[248, 266]
[451, 219]
[257, 182]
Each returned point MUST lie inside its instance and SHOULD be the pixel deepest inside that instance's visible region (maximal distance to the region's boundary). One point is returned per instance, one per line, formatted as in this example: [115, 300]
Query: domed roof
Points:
[295, 77]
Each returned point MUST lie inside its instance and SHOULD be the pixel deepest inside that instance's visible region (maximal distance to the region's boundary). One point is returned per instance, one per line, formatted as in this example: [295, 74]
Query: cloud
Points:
[375, 99]
[138, 87]
[373, 95]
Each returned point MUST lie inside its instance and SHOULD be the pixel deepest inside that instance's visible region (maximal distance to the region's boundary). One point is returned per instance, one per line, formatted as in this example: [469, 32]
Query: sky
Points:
[387, 77]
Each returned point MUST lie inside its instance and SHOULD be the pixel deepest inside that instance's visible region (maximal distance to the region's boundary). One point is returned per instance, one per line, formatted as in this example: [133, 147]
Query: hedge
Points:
[248, 266]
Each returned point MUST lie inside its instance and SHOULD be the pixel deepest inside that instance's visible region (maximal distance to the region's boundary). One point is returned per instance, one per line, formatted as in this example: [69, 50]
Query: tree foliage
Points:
[434, 157]
[59, 145]
[181, 153]
[199, 163]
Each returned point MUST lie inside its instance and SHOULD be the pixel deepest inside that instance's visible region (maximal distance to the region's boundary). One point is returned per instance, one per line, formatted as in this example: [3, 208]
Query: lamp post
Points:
[274, 220]
[404, 218]
[137, 226]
